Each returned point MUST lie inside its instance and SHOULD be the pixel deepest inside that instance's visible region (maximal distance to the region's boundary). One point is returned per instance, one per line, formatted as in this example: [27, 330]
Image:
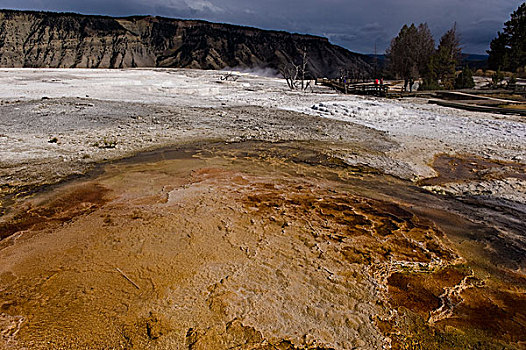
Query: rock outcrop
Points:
[43, 39]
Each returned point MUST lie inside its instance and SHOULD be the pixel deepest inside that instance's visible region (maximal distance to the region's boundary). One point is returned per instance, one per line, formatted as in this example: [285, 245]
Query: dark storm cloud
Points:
[354, 24]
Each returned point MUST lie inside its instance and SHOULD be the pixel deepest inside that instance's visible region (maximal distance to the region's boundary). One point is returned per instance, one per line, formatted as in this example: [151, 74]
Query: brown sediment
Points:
[463, 168]
[421, 292]
[495, 311]
[235, 335]
[491, 318]
[229, 248]
[82, 200]
[369, 230]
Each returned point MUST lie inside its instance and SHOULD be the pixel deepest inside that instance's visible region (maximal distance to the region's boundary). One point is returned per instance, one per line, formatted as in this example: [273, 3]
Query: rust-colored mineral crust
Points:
[228, 250]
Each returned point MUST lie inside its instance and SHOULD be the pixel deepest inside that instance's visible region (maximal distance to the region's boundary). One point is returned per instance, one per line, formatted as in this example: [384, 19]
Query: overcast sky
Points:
[354, 24]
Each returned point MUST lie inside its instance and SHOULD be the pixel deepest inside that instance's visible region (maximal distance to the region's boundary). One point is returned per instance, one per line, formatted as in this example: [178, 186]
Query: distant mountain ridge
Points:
[475, 61]
[53, 40]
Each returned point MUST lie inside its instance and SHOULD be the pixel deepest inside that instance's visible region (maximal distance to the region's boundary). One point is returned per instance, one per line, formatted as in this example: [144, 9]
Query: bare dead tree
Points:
[229, 76]
[303, 68]
[296, 74]
[290, 73]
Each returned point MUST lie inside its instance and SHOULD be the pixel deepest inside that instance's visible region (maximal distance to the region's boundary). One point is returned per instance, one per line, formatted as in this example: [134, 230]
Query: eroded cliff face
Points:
[37, 39]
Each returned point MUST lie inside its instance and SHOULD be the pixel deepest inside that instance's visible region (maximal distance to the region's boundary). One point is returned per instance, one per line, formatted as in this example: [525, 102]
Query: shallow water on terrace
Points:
[271, 245]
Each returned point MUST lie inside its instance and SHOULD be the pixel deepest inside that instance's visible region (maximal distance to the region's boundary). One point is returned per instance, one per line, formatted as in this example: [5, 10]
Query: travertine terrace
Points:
[173, 209]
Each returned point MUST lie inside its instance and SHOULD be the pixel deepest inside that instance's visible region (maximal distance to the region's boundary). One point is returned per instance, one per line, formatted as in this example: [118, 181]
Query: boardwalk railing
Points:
[358, 89]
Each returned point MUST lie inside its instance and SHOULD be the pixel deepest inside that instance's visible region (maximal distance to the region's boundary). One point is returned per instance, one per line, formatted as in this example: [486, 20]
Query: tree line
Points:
[412, 55]
[508, 50]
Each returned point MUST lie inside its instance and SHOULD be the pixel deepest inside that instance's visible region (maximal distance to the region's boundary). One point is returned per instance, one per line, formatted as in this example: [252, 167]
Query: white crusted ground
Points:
[417, 130]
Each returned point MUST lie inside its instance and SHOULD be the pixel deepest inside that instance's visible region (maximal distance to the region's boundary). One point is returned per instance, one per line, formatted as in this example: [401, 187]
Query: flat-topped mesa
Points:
[66, 40]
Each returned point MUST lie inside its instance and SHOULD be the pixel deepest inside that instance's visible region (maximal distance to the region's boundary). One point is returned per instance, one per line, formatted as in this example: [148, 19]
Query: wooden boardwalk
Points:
[358, 88]
[471, 100]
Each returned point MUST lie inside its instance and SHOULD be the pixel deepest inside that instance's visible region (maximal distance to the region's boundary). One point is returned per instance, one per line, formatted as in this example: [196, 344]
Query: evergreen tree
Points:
[498, 52]
[401, 61]
[497, 78]
[448, 56]
[425, 48]
[442, 65]
[465, 79]
[410, 51]
[430, 81]
[508, 49]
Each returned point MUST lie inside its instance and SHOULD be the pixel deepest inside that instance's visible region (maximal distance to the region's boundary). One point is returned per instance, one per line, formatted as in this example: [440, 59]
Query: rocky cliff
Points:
[43, 39]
